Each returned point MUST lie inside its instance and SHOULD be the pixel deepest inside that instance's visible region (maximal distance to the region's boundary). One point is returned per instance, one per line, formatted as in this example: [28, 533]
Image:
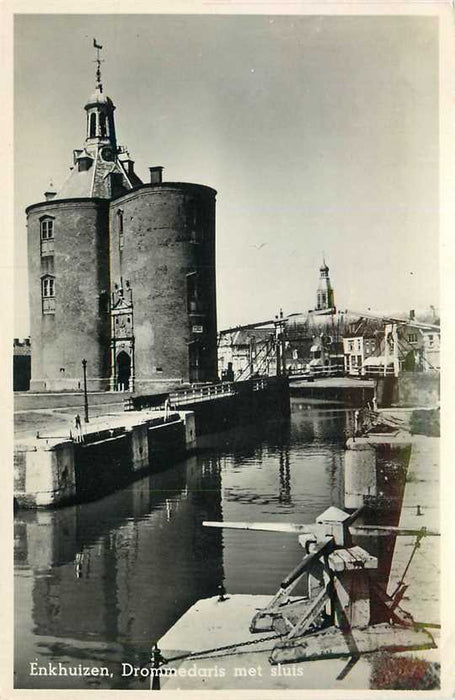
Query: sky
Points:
[320, 134]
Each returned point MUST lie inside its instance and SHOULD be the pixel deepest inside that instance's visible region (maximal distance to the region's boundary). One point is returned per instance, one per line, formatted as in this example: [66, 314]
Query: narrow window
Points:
[102, 124]
[120, 228]
[92, 125]
[47, 237]
[192, 222]
[191, 288]
[48, 294]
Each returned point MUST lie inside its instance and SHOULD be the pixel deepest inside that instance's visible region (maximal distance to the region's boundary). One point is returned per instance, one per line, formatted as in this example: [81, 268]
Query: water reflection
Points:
[100, 582]
[120, 570]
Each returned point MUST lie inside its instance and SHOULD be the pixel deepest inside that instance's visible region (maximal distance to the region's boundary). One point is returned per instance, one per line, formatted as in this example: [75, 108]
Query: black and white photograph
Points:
[226, 349]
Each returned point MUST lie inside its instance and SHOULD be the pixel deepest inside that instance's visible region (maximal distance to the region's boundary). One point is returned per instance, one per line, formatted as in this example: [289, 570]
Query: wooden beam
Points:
[332, 643]
[385, 530]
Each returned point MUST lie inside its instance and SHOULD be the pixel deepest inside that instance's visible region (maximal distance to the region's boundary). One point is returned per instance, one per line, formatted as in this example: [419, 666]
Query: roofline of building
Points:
[133, 190]
[164, 185]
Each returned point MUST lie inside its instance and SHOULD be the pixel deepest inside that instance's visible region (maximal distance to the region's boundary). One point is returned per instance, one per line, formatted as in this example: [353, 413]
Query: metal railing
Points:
[196, 394]
[203, 393]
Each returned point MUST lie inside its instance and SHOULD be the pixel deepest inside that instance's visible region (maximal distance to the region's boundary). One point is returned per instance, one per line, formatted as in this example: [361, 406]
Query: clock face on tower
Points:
[107, 153]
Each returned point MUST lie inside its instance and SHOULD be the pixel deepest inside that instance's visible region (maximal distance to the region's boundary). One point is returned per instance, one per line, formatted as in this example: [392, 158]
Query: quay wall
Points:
[347, 396]
[419, 389]
[55, 472]
[109, 452]
[410, 389]
[376, 468]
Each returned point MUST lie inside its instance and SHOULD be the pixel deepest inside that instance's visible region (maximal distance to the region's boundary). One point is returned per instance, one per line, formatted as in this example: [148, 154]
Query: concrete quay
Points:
[421, 508]
[98, 457]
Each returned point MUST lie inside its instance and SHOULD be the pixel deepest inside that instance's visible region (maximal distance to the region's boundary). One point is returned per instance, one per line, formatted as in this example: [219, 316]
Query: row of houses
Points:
[331, 345]
[391, 347]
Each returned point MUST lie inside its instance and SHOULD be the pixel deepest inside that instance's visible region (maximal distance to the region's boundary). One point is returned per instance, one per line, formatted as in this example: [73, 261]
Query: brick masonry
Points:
[79, 328]
[169, 234]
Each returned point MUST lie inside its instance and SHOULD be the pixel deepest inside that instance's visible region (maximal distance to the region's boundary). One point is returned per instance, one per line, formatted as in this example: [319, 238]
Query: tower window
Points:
[192, 292]
[103, 130]
[192, 222]
[120, 228]
[47, 236]
[92, 132]
[48, 294]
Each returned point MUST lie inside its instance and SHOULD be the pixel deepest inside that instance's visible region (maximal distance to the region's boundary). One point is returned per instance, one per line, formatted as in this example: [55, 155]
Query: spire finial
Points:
[98, 61]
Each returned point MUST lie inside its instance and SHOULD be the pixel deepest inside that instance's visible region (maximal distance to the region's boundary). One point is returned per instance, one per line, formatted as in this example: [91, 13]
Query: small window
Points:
[48, 295]
[192, 295]
[92, 125]
[120, 228]
[47, 229]
[47, 236]
[103, 124]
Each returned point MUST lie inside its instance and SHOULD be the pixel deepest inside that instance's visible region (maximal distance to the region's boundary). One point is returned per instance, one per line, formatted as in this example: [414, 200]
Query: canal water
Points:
[97, 584]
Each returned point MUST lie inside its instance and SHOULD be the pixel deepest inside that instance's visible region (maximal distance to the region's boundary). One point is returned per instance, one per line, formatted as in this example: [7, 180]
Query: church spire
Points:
[325, 295]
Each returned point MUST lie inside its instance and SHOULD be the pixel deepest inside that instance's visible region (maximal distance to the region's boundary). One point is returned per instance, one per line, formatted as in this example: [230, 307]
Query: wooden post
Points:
[351, 586]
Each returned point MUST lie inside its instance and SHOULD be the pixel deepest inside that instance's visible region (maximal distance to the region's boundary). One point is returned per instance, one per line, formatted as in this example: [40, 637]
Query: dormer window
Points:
[48, 294]
[47, 236]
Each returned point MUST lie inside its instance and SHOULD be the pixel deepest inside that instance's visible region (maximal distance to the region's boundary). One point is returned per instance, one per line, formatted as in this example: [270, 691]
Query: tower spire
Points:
[98, 61]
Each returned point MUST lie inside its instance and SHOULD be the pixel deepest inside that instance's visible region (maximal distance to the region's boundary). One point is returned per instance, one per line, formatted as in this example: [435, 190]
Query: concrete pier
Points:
[98, 457]
[363, 461]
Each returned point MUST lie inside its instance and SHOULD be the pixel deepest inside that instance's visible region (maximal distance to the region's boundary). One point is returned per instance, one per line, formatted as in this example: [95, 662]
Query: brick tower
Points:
[121, 273]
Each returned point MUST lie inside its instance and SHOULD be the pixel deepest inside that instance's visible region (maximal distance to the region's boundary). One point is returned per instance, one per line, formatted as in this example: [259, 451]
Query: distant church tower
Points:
[121, 273]
[325, 297]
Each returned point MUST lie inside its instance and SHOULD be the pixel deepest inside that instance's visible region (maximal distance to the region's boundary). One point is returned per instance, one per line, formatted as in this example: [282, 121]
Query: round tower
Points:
[69, 293]
[163, 284]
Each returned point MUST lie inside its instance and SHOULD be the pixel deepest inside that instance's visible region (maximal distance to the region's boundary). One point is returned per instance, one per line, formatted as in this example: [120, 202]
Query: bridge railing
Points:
[197, 394]
[202, 393]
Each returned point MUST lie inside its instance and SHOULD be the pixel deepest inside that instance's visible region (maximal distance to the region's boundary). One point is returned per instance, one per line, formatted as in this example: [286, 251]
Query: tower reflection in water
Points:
[101, 582]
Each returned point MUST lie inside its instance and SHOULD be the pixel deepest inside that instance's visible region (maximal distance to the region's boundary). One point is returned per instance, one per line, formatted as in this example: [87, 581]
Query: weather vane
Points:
[98, 61]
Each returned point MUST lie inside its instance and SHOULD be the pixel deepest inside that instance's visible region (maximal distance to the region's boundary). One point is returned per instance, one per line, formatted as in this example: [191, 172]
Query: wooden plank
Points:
[332, 643]
[310, 615]
[263, 620]
[265, 527]
[354, 558]
[389, 530]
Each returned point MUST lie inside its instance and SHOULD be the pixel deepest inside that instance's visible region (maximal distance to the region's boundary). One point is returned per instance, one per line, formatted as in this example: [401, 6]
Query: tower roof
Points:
[324, 267]
[99, 98]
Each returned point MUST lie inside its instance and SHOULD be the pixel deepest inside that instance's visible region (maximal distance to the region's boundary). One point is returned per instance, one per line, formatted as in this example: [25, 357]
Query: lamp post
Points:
[84, 369]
